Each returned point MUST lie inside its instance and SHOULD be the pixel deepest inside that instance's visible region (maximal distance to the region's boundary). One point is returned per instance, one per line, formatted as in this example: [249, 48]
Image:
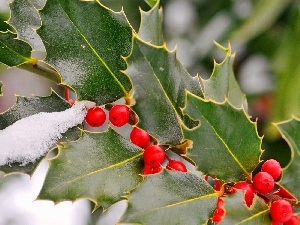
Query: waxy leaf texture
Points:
[151, 26]
[226, 144]
[159, 82]
[27, 106]
[101, 167]
[290, 131]
[222, 83]
[171, 197]
[238, 213]
[25, 19]
[85, 43]
[13, 52]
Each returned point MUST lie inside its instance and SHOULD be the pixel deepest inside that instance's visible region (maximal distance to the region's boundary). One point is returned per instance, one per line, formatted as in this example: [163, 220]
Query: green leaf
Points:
[27, 106]
[238, 213]
[171, 197]
[85, 42]
[290, 131]
[151, 26]
[159, 82]
[151, 3]
[25, 19]
[101, 167]
[226, 144]
[13, 52]
[222, 83]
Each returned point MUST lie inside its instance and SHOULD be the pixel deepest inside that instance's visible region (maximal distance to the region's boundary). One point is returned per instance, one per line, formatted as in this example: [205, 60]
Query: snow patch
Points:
[30, 138]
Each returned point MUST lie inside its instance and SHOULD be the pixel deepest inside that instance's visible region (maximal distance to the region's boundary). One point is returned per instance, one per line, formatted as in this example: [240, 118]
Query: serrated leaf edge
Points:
[249, 175]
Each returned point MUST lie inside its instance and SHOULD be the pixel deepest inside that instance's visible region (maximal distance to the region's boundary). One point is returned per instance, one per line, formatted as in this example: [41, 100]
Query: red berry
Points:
[281, 211]
[218, 215]
[139, 137]
[151, 170]
[95, 117]
[220, 202]
[176, 165]
[272, 167]
[218, 185]
[293, 221]
[263, 182]
[119, 115]
[248, 191]
[153, 155]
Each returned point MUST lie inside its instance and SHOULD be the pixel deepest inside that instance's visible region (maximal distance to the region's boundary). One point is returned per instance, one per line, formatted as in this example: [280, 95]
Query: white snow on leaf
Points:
[32, 137]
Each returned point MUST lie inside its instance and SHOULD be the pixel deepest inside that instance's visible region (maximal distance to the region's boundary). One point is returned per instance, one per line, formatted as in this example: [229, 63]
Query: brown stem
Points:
[42, 71]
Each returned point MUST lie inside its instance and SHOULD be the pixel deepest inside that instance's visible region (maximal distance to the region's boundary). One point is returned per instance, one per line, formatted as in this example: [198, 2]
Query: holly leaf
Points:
[226, 136]
[151, 3]
[238, 213]
[290, 131]
[101, 167]
[222, 83]
[151, 26]
[25, 18]
[27, 106]
[171, 202]
[13, 52]
[159, 82]
[84, 42]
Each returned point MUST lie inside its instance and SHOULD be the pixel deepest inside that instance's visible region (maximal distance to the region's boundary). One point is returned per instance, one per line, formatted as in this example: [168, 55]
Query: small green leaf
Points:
[25, 19]
[238, 213]
[169, 198]
[226, 145]
[101, 167]
[27, 106]
[151, 26]
[151, 3]
[13, 52]
[290, 131]
[222, 83]
[159, 82]
[85, 42]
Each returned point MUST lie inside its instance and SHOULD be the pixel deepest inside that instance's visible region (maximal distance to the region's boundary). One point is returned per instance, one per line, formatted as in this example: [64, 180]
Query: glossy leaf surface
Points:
[238, 213]
[222, 83]
[176, 198]
[25, 19]
[226, 144]
[84, 42]
[151, 26]
[290, 131]
[13, 52]
[101, 167]
[159, 82]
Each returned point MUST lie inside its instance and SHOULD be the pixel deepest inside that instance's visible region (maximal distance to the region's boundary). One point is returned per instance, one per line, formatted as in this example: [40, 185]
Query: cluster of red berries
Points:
[153, 155]
[281, 210]
[118, 116]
